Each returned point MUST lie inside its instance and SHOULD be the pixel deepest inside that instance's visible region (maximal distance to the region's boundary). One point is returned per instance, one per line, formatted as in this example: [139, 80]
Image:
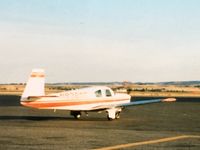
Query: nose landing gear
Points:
[113, 113]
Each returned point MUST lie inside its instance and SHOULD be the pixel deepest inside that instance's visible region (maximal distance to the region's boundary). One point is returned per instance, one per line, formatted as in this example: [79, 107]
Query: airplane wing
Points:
[140, 102]
[134, 103]
[146, 102]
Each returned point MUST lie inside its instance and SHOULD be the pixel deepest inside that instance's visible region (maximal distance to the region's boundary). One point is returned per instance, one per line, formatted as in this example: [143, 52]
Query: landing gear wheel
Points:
[76, 114]
[117, 115]
[110, 119]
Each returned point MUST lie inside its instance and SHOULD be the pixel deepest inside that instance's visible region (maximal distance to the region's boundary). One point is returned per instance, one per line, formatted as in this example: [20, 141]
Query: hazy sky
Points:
[100, 40]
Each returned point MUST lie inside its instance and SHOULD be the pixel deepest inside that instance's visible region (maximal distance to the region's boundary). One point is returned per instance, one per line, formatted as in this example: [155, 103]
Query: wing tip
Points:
[169, 100]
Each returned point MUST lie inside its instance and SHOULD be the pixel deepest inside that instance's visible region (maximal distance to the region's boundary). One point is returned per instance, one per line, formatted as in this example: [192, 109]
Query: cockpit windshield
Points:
[108, 93]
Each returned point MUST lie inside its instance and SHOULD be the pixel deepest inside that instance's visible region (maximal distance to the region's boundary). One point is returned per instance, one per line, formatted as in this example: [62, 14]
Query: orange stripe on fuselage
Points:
[46, 104]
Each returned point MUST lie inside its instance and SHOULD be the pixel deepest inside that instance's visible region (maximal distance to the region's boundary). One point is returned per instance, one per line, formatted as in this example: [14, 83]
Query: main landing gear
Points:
[113, 113]
[76, 114]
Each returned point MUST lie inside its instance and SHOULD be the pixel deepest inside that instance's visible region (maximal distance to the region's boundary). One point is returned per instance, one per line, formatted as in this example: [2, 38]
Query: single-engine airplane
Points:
[96, 98]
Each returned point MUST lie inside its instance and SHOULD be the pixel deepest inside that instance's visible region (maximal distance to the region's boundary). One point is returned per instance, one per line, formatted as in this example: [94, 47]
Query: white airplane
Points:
[97, 98]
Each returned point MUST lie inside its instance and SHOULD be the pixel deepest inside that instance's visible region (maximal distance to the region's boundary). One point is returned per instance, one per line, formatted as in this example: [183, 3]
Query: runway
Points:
[154, 126]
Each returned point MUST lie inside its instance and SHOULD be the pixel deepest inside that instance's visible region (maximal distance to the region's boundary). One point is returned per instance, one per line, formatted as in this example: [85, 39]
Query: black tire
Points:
[117, 115]
[76, 114]
[110, 119]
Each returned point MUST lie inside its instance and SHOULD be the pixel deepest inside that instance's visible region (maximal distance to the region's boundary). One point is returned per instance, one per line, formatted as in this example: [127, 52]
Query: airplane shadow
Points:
[49, 118]
[9, 100]
[34, 118]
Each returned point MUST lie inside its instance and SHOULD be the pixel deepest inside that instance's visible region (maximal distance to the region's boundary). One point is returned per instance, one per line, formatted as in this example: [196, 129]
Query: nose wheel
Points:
[113, 114]
[117, 116]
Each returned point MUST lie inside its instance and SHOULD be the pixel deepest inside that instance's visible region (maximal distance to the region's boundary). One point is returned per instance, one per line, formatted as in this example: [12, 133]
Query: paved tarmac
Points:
[155, 126]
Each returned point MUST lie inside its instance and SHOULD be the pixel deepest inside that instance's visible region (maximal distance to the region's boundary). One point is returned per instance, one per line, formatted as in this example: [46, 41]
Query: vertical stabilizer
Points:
[35, 84]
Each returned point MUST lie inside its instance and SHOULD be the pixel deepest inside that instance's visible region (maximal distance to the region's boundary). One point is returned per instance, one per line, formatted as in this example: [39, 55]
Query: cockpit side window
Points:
[98, 93]
[108, 93]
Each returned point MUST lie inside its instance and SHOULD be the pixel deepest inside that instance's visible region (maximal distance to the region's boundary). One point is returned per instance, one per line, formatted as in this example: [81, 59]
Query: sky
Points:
[100, 40]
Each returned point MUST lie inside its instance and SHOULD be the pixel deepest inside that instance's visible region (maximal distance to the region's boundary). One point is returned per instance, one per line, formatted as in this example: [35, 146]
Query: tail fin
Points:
[35, 84]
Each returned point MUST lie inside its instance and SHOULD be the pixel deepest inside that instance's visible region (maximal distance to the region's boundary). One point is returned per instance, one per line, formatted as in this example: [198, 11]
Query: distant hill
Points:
[87, 83]
[184, 83]
[181, 83]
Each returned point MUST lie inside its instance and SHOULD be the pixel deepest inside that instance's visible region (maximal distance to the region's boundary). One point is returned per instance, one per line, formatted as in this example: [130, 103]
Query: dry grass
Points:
[136, 90]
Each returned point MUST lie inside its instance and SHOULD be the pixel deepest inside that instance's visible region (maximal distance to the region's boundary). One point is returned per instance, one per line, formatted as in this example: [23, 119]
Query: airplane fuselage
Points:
[82, 100]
